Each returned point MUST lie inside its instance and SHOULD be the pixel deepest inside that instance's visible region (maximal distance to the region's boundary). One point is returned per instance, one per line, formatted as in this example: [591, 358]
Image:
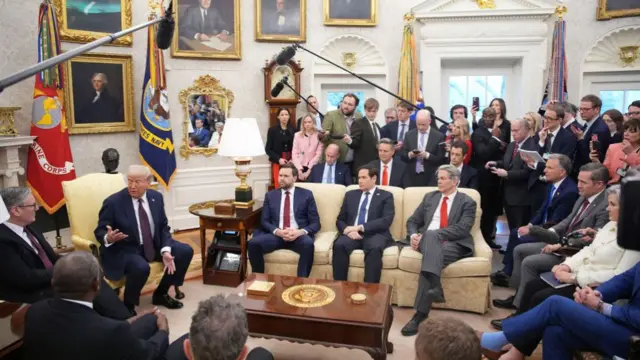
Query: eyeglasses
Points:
[550, 118]
[585, 109]
[35, 206]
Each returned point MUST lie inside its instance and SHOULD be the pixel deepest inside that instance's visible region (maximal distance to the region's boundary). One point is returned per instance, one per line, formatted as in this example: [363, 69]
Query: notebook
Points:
[550, 279]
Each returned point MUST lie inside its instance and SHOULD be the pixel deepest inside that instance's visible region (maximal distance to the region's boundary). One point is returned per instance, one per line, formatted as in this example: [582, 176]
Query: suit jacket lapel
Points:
[373, 202]
[278, 199]
[131, 215]
[435, 200]
[455, 208]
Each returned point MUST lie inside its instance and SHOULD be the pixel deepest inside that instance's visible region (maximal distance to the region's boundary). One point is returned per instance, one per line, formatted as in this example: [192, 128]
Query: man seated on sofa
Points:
[289, 221]
[363, 222]
[331, 171]
[440, 229]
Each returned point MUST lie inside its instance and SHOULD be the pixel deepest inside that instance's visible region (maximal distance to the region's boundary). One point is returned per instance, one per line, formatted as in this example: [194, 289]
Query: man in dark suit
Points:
[203, 134]
[440, 229]
[515, 174]
[560, 196]
[392, 173]
[27, 259]
[487, 147]
[468, 175]
[133, 231]
[350, 9]
[219, 330]
[596, 132]
[289, 221]
[553, 138]
[422, 150]
[67, 327]
[331, 171]
[202, 22]
[365, 135]
[363, 223]
[397, 130]
[281, 17]
[318, 117]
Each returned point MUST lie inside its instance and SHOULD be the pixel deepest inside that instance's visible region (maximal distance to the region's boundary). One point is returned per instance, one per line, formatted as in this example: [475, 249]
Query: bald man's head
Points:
[77, 276]
[423, 120]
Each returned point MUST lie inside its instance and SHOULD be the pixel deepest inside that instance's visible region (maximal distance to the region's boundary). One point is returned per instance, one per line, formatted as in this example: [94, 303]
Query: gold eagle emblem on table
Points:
[306, 296]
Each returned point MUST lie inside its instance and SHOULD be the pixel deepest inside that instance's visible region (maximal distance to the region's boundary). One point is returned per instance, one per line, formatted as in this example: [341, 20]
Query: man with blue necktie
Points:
[289, 221]
[561, 195]
[203, 134]
[331, 171]
[364, 221]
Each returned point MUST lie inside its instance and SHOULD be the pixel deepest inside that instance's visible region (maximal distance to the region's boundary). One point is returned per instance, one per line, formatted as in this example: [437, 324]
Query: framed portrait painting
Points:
[84, 21]
[99, 93]
[351, 12]
[207, 29]
[281, 20]
[609, 9]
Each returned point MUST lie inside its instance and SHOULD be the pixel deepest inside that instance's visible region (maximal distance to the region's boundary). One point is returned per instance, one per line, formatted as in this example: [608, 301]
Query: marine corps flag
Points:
[49, 161]
[156, 138]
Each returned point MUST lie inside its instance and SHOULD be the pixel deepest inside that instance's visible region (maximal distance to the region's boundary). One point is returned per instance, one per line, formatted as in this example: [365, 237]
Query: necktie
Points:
[363, 209]
[385, 176]
[585, 204]
[286, 217]
[41, 254]
[402, 129]
[375, 131]
[515, 151]
[549, 199]
[444, 215]
[204, 20]
[549, 140]
[330, 179]
[145, 232]
[198, 132]
[420, 161]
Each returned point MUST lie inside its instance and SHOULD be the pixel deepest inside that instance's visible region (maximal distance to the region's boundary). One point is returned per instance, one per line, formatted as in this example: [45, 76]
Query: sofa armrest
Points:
[83, 244]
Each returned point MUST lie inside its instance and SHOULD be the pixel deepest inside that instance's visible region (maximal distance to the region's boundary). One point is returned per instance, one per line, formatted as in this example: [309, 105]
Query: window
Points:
[462, 89]
[334, 98]
[618, 99]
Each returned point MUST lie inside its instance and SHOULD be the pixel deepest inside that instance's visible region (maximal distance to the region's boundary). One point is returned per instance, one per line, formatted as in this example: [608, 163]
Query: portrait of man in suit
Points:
[94, 15]
[289, 221]
[206, 25]
[440, 229]
[98, 100]
[280, 17]
[350, 9]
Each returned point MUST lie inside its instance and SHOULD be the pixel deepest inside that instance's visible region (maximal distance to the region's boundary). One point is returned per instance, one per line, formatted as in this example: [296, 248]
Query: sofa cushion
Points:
[411, 261]
[323, 242]
[389, 258]
[328, 199]
[398, 198]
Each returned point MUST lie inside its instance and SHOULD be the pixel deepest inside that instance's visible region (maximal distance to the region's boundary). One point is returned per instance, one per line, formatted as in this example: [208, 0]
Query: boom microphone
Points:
[165, 29]
[286, 54]
[277, 89]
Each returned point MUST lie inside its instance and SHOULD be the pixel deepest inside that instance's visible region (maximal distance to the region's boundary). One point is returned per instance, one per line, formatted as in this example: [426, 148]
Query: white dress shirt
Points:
[22, 232]
[97, 97]
[435, 221]
[84, 303]
[366, 216]
[147, 209]
[318, 122]
[389, 166]
[292, 219]
[374, 128]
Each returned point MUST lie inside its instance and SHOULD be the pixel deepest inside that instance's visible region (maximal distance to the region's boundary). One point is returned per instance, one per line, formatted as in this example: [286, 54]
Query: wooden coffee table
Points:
[337, 324]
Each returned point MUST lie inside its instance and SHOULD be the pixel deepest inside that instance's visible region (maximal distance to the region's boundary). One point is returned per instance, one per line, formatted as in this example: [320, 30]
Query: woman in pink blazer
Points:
[307, 148]
[621, 156]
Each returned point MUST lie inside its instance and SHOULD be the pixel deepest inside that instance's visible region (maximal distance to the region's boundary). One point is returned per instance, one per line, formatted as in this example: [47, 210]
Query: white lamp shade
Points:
[241, 138]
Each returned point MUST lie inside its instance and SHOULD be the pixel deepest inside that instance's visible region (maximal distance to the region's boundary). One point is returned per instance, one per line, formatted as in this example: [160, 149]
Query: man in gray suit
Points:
[422, 150]
[440, 229]
[533, 259]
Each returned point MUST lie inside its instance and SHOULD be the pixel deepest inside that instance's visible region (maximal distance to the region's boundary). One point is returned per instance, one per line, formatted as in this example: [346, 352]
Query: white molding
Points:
[196, 185]
[458, 10]
[603, 54]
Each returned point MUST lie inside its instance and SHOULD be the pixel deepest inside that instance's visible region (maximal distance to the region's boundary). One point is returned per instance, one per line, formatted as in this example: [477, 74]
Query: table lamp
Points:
[241, 141]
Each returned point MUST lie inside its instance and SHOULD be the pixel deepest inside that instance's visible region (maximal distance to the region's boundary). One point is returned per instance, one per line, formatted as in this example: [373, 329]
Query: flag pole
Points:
[56, 221]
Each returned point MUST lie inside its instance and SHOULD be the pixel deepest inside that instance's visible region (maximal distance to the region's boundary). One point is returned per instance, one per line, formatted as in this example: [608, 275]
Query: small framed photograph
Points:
[99, 93]
[351, 12]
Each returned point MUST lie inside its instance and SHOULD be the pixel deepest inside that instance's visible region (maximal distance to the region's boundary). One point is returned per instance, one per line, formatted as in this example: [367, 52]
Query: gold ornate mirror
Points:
[206, 105]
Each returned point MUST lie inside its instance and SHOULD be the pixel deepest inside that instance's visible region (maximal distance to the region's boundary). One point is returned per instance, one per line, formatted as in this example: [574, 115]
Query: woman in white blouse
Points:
[217, 135]
[591, 266]
[307, 148]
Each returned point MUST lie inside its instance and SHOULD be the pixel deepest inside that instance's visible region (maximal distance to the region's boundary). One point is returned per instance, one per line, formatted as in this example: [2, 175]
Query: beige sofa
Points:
[465, 282]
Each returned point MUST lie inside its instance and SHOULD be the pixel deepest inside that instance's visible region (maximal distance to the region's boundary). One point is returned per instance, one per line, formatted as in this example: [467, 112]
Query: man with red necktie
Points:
[27, 259]
[289, 221]
[440, 229]
[392, 173]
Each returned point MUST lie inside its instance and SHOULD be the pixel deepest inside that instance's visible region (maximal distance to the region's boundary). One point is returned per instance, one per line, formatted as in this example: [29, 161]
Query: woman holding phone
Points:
[622, 155]
[459, 131]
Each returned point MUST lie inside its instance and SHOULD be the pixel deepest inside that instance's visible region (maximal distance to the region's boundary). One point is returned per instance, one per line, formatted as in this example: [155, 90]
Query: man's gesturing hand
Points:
[115, 235]
[169, 264]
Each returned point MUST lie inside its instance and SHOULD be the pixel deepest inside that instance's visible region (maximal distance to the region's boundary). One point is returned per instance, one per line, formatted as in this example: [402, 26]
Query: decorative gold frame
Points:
[127, 87]
[82, 36]
[204, 85]
[7, 121]
[196, 54]
[372, 21]
[302, 37]
[604, 14]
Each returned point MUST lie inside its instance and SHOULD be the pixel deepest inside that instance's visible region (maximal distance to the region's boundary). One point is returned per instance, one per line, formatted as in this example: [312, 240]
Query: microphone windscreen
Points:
[165, 30]
[285, 55]
[277, 89]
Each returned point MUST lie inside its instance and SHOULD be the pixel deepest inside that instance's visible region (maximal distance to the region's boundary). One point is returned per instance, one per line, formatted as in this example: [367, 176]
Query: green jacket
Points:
[335, 124]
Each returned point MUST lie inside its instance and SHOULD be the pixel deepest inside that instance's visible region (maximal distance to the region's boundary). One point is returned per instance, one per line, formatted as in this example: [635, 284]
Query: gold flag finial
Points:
[561, 10]
[409, 18]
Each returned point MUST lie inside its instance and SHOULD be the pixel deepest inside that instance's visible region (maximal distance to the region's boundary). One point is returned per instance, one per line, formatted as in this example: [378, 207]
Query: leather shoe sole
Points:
[504, 304]
[410, 329]
[497, 324]
[167, 301]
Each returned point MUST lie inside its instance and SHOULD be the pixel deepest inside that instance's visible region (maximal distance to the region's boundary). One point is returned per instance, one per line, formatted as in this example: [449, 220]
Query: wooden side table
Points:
[243, 221]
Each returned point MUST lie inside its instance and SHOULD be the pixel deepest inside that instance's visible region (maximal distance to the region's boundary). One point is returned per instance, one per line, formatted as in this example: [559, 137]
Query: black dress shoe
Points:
[179, 294]
[436, 295]
[131, 308]
[493, 245]
[497, 323]
[505, 304]
[411, 328]
[499, 278]
[166, 301]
